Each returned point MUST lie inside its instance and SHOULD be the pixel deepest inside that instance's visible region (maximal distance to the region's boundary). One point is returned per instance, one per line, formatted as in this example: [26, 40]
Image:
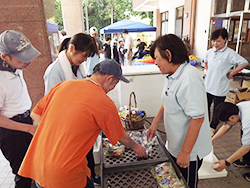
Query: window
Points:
[179, 21]
[237, 5]
[220, 6]
[164, 23]
[234, 29]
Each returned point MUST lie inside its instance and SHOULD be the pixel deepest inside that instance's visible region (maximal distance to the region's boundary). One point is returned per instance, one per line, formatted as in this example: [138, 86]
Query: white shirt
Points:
[14, 96]
[244, 113]
[183, 99]
[219, 64]
[128, 41]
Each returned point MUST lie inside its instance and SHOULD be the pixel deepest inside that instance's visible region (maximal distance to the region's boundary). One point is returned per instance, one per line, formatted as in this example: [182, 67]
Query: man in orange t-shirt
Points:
[70, 118]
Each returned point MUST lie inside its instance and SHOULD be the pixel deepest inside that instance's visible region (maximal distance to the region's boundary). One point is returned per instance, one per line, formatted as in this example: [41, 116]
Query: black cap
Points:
[110, 66]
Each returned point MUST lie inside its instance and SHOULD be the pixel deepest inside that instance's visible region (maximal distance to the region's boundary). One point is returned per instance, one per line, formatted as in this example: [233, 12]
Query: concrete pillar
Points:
[157, 22]
[27, 16]
[72, 16]
[189, 20]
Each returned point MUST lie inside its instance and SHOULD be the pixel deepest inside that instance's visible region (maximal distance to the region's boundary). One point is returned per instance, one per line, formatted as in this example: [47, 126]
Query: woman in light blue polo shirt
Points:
[184, 107]
[219, 62]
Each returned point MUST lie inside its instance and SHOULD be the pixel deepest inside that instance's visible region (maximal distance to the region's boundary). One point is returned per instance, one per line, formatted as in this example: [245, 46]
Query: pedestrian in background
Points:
[107, 48]
[115, 48]
[128, 46]
[93, 61]
[121, 52]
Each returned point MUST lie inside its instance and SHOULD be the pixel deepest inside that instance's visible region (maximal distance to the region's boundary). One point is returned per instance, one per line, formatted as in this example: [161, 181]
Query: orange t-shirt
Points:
[72, 115]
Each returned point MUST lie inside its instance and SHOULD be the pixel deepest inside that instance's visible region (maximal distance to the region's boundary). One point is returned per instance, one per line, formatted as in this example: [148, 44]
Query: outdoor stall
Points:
[127, 170]
[146, 81]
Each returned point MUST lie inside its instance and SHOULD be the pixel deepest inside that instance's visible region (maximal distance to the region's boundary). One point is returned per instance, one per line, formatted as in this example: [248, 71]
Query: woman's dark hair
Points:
[172, 43]
[226, 109]
[64, 44]
[82, 43]
[219, 32]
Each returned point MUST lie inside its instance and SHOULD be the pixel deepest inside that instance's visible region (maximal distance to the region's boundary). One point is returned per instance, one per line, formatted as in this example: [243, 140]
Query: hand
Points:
[183, 159]
[151, 132]
[229, 75]
[221, 165]
[32, 129]
[140, 151]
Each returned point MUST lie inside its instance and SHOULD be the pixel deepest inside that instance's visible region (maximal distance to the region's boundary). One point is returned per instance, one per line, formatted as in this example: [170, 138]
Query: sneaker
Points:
[97, 180]
[247, 176]
[241, 163]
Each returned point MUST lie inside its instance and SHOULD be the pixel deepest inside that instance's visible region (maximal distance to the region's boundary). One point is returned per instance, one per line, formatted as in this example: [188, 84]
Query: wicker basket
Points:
[130, 124]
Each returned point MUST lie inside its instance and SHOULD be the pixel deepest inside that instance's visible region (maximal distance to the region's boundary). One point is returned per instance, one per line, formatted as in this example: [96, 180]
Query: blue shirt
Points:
[54, 74]
[183, 99]
[90, 64]
[219, 64]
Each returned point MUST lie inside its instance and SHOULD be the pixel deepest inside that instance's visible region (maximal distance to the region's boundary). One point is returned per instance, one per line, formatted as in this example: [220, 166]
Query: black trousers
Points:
[217, 100]
[91, 162]
[190, 174]
[14, 145]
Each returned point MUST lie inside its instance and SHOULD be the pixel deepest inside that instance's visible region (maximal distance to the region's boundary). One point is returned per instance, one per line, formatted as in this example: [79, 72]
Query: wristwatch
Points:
[227, 163]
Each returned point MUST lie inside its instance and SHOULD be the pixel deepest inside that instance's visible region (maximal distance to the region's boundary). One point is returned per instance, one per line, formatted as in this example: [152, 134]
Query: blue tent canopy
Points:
[131, 26]
[52, 28]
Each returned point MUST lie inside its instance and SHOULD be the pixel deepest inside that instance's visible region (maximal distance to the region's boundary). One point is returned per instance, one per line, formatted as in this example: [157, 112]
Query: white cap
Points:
[93, 30]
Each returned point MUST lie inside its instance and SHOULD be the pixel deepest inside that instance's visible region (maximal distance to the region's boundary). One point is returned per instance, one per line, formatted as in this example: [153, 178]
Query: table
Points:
[130, 171]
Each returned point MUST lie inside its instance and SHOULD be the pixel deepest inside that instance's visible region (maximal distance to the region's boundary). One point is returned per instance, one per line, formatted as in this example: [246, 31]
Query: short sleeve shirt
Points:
[219, 64]
[72, 115]
[14, 96]
[128, 41]
[99, 44]
[90, 64]
[244, 113]
[183, 99]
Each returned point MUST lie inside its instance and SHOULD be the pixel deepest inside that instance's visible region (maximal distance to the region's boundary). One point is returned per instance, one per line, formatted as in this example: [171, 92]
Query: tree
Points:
[99, 12]
[59, 18]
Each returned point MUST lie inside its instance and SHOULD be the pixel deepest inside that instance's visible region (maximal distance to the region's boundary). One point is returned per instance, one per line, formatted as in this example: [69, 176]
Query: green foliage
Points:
[59, 18]
[100, 12]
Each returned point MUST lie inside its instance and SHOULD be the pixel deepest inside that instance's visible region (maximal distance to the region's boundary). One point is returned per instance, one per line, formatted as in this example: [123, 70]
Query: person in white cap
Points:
[69, 125]
[93, 31]
[94, 60]
[16, 129]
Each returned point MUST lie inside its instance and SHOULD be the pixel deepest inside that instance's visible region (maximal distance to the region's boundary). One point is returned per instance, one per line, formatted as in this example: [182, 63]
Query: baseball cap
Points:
[17, 45]
[93, 30]
[110, 66]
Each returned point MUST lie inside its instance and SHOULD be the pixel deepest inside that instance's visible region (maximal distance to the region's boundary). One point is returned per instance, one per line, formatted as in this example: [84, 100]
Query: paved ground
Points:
[223, 148]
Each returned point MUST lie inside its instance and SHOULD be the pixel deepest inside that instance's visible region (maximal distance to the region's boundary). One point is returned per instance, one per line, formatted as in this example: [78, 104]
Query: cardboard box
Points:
[235, 97]
[246, 83]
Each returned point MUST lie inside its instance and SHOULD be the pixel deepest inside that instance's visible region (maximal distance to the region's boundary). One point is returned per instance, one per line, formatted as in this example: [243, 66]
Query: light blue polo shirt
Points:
[244, 113]
[219, 64]
[183, 98]
[90, 64]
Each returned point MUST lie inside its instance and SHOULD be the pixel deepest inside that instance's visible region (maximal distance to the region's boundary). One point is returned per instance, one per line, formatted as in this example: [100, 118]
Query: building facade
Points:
[196, 19]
